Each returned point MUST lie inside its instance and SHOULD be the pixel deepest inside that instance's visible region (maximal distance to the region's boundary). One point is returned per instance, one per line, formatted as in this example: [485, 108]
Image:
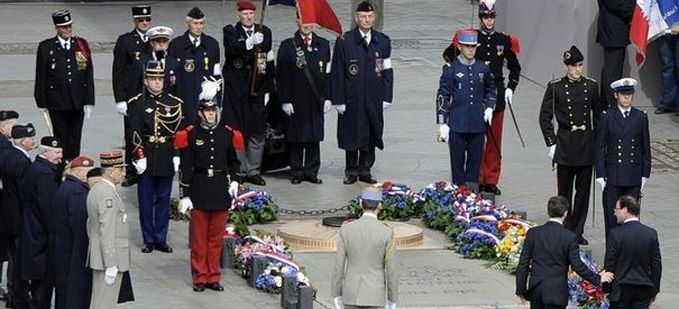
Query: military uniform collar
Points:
[573, 81]
[60, 41]
[41, 158]
[623, 110]
[487, 32]
[103, 179]
[299, 38]
[22, 151]
[245, 29]
[155, 96]
[359, 35]
[142, 36]
[76, 180]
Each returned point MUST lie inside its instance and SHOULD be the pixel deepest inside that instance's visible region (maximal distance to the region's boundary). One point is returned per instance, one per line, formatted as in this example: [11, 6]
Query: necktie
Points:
[195, 42]
[67, 45]
[249, 32]
[367, 40]
[144, 38]
[626, 113]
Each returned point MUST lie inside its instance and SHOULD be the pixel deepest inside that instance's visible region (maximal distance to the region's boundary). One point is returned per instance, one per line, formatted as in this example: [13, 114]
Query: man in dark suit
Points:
[128, 51]
[633, 255]
[248, 55]
[8, 118]
[574, 101]
[613, 25]
[623, 150]
[14, 161]
[301, 76]
[41, 181]
[195, 56]
[548, 252]
[64, 83]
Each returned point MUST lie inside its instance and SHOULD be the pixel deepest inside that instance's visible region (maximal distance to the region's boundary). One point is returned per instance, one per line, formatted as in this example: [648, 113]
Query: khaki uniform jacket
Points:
[364, 272]
[107, 228]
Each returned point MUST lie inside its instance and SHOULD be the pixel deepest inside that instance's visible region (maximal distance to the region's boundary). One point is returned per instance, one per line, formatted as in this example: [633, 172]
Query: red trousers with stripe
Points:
[207, 233]
[491, 162]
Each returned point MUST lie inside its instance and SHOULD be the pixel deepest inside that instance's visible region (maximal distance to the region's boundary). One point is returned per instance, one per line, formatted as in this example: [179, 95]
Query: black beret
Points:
[95, 172]
[364, 6]
[572, 56]
[51, 141]
[6, 115]
[195, 13]
[23, 130]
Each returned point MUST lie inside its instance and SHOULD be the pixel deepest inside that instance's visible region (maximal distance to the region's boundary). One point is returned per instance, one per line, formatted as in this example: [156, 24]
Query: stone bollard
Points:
[295, 296]
[228, 257]
[258, 266]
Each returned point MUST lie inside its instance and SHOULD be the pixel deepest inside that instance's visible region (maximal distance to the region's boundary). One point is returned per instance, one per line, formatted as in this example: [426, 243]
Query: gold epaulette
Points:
[176, 98]
[135, 98]
[591, 79]
[554, 81]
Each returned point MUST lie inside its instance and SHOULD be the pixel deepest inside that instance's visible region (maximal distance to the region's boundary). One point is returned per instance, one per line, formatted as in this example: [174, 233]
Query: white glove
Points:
[327, 105]
[266, 99]
[288, 109]
[338, 302]
[88, 110]
[340, 108]
[509, 94]
[385, 105]
[390, 305]
[176, 161]
[643, 182]
[233, 189]
[488, 115]
[121, 107]
[601, 182]
[552, 151]
[444, 133]
[110, 275]
[140, 165]
[185, 205]
[253, 40]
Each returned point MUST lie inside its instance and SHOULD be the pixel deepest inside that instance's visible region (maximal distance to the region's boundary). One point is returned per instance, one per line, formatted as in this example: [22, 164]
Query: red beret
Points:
[245, 5]
[82, 161]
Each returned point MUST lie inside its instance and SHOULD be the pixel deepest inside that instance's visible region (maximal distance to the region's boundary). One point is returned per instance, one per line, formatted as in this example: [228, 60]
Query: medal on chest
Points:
[500, 50]
[189, 66]
[379, 64]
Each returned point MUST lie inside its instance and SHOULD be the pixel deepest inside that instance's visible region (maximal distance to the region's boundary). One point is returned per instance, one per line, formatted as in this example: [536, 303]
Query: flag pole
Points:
[255, 69]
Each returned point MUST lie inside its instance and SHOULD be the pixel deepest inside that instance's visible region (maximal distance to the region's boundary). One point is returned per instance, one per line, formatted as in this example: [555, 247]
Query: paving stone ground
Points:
[432, 278]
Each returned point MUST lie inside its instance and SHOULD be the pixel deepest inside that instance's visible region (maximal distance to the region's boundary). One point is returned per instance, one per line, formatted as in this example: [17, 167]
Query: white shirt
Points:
[65, 43]
[630, 220]
[623, 110]
[366, 36]
[555, 220]
[142, 35]
[246, 29]
[194, 39]
[303, 36]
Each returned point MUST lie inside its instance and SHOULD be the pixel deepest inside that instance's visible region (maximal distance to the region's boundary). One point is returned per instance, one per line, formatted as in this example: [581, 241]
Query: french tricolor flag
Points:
[650, 20]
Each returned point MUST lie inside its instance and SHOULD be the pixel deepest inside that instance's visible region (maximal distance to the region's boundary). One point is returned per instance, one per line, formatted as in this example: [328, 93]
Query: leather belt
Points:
[210, 172]
[158, 139]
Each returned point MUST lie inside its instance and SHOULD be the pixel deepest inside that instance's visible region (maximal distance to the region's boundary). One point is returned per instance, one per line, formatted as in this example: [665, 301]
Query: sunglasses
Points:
[144, 19]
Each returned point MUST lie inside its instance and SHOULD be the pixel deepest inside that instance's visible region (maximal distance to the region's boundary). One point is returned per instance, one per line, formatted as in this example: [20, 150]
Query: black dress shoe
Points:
[661, 110]
[492, 189]
[314, 179]
[163, 248]
[128, 182]
[583, 242]
[147, 249]
[348, 180]
[215, 286]
[256, 180]
[367, 179]
[295, 180]
[199, 287]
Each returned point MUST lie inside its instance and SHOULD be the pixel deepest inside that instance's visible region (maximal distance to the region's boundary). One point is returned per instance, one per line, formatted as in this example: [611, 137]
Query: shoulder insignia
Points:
[133, 99]
[176, 98]
[591, 79]
[554, 81]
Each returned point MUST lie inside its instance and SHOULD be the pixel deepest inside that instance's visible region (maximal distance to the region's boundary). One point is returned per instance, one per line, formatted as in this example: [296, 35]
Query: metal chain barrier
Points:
[312, 212]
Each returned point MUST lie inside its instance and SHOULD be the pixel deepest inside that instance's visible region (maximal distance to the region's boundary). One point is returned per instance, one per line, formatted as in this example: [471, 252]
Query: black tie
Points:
[195, 42]
[626, 113]
[249, 32]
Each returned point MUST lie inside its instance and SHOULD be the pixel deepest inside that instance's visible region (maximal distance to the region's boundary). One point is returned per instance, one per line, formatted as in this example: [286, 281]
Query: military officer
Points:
[301, 76]
[210, 173]
[574, 101]
[159, 38]
[8, 119]
[194, 56]
[64, 82]
[465, 102]
[155, 117]
[41, 181]
[68, 237]
[129, 50]
[364, 274]
[108, 232]
[362, 81]
[248, 55]
[623, 150]
[495, 48]
[14, 161]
